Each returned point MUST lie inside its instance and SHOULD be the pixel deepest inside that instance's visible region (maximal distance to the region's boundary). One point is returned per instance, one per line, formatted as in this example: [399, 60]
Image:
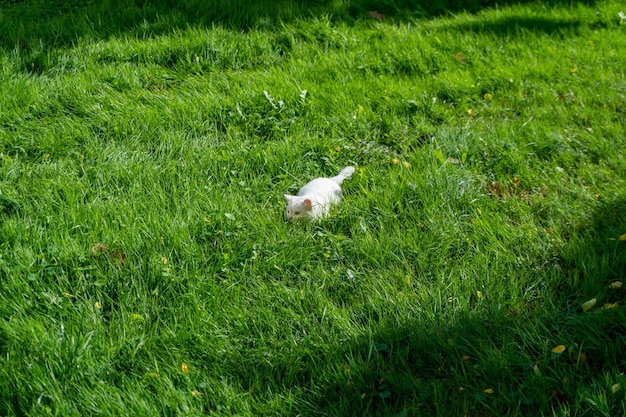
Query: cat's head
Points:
[298, 207]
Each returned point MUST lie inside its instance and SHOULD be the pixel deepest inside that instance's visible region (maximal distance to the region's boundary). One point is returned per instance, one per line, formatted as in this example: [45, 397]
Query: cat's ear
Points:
[288, 197]
[308, 204]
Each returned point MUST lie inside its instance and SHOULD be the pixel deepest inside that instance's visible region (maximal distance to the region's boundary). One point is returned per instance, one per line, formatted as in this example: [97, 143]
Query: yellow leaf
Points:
[615, 388]
[615, 285]
[68, 295]
[611, 305]
[97, 305]
[536, 370]
[406, 164]
[466, 357]
[164, 260]
[395, 161]
[622, 237]
[479, 294]
[196, 393]
[559, 349]
[184, 368]
[488, 96]
[346, 369]
[489, 391]
[587, 305]
[136, 317]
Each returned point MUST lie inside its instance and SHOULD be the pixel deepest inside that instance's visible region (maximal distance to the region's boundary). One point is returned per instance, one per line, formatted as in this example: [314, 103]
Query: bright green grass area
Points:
[146, 267]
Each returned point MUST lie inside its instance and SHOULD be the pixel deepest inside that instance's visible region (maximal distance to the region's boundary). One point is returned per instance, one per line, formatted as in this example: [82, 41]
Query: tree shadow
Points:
[26, 24]
[485, 361]
[514, 25]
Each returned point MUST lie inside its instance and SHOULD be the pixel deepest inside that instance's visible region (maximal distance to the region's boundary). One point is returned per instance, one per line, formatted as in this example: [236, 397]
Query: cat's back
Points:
[321, 187]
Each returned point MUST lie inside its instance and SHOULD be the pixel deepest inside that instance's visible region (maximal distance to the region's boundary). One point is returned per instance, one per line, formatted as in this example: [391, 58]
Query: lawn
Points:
[473, 268]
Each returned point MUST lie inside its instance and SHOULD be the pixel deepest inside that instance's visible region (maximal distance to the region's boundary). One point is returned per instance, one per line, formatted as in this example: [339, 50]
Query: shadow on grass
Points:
[494, 362]
[511, 26]
[26, 24]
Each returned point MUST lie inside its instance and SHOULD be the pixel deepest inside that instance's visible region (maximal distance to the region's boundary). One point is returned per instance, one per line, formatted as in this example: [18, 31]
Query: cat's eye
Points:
[297, 213]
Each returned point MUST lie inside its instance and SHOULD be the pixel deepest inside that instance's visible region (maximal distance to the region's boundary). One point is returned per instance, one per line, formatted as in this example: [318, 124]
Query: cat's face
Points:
[298, 207]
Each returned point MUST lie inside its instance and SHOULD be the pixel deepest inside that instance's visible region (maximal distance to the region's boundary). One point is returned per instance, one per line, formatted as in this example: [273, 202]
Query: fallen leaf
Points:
[622, 237]
[495, 188]
[378, 16]
[587, 305]
[184, 368]
[615, 388]
[559, 349]
[97, 305]
[136, 317]
[488, 96]
[196, 393]
[346, 369]
[536, 370]
[615, 285]
[611, 305]
[395, 161]
[99, 248]
[466, 357]
[489, 391]
[119, 255]
[406, 164]
[479, 294]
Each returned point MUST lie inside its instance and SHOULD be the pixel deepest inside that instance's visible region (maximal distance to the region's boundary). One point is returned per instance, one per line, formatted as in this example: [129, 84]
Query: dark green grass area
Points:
[474, 267]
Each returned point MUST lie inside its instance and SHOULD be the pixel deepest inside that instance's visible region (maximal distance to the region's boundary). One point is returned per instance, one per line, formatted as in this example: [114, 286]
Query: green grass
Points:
[145, 264]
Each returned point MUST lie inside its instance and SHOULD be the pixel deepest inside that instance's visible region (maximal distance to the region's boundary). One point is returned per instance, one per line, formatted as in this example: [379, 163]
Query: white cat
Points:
[314, 199]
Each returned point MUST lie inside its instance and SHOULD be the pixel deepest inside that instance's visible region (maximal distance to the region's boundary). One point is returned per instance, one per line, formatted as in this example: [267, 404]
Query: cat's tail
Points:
[343, 175]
